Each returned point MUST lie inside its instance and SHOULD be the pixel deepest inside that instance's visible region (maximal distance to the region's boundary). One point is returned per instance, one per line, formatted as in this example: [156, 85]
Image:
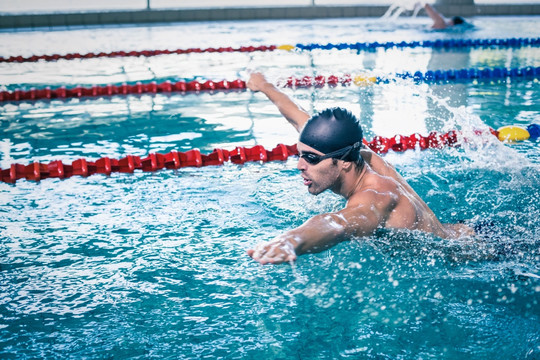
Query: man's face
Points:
[318, 177]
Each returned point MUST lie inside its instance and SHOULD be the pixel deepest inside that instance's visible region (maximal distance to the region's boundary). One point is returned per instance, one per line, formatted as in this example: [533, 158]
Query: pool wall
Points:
[14, 21]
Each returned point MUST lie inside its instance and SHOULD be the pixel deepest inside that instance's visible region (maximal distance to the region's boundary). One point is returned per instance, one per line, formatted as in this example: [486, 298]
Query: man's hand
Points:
[256, 81]
[276, 251]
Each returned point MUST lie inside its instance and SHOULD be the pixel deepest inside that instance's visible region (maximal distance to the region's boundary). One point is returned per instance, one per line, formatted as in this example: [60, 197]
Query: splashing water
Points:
[399, 7]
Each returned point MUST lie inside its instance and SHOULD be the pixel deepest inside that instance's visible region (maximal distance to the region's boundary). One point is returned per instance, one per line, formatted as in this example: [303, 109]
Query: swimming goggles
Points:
[340, 154]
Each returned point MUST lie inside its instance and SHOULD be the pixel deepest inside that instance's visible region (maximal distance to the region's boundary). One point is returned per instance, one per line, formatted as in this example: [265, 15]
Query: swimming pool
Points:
[153, 264]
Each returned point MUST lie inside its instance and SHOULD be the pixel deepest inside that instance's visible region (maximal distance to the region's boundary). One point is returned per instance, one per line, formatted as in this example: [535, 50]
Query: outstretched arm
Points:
[438, 20]
[288, 108]
[318, 233]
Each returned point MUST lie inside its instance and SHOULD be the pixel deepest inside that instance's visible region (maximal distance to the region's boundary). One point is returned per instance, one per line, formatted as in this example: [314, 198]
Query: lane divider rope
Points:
[359, 46]
[436, 44]
[193, 158]
[461, 75]
[430, 76]
[144, 53]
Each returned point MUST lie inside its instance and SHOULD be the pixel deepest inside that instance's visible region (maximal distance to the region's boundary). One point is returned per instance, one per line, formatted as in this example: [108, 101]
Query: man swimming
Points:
[439, 22]
[332, 157]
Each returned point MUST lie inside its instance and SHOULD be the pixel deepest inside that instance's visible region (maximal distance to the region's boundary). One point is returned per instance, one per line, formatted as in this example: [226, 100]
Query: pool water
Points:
[154, 265]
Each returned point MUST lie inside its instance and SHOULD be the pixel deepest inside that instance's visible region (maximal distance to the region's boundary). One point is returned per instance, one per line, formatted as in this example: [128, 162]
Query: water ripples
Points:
[154, 264]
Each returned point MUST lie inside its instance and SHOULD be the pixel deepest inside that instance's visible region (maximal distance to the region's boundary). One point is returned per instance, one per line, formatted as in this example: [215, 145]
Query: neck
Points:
[352, 181]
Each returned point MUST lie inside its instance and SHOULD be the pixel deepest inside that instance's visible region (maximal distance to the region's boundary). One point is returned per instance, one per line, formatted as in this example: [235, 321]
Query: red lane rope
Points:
[193, 158]
[124, 89]
[146, 53]
[495, 74]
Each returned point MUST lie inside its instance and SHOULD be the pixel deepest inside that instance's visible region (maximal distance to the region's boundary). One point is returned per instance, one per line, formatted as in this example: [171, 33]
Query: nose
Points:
[302, 164]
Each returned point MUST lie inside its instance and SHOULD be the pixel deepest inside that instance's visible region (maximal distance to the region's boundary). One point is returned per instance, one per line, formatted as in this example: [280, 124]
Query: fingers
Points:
[274, 259]
[273, 253]
[255, 82]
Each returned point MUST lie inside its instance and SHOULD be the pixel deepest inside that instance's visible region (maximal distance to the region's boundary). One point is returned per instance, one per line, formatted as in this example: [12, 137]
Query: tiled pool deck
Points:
[13, 21]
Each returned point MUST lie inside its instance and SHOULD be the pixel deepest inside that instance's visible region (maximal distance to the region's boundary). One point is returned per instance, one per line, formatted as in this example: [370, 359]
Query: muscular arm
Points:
[438, 20]
[322, 232]
[288, 108]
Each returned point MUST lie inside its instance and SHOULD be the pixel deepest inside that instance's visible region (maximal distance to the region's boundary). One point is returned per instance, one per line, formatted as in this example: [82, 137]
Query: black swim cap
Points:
[331, 130]
[456, 20]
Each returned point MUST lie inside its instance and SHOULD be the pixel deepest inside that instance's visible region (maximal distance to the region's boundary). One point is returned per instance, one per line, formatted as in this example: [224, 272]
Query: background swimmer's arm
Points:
[288, 108]
[438, 20]
[319, 233]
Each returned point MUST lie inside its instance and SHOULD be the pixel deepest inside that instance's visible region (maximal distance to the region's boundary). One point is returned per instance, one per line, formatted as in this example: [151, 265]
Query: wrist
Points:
[267, 87]
[295, 243]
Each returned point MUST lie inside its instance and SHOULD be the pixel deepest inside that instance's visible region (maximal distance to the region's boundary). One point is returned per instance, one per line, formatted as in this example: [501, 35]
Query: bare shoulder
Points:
[369, 208]
[379, 191]
[377, 163]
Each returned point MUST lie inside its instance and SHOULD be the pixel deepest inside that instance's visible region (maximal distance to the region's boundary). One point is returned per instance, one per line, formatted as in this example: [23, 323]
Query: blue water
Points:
[153, 265]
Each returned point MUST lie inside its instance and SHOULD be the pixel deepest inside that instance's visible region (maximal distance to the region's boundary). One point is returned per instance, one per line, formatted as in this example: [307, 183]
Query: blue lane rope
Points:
[496, 73]
[436, 44]
[430, 76]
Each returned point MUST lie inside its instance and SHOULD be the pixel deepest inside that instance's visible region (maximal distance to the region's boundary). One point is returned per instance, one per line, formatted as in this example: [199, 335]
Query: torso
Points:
[398, 203]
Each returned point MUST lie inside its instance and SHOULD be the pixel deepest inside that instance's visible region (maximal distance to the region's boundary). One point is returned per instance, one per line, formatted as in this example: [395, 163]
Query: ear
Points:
[346, 165]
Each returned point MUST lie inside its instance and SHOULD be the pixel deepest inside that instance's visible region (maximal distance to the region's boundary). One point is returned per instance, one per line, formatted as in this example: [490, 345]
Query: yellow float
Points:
[362, 80]
[286, 47]
[513, 133]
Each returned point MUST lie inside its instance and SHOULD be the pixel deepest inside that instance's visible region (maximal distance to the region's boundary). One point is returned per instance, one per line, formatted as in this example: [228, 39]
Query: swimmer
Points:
[439, 21]
[332, 157]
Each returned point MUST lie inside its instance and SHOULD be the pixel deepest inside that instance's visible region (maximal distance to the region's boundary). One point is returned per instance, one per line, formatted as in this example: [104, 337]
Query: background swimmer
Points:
[439, 22]
[332, 157]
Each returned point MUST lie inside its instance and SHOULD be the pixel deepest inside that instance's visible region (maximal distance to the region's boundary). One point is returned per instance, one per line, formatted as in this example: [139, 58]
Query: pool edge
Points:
[49, 20]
